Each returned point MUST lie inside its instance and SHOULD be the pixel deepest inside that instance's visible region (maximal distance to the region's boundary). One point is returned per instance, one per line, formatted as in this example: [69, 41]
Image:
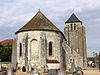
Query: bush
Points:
[5, 53]
[24, 69]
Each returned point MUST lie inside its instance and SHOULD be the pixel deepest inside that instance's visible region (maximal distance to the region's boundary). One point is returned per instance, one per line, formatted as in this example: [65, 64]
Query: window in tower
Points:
[74, 26]
[71, 27]
[50, 48]
[20, 47]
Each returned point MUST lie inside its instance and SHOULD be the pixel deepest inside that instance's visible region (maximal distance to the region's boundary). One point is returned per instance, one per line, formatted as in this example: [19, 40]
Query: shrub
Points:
[24, 69]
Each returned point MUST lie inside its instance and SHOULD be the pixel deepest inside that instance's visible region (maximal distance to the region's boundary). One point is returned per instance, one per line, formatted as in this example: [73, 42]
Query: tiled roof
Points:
[73, 18]
[52, 61]
[6, 42]
[39, 22]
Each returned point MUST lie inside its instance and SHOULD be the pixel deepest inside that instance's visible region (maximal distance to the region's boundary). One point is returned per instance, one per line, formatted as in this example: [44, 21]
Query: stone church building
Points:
[41, 43]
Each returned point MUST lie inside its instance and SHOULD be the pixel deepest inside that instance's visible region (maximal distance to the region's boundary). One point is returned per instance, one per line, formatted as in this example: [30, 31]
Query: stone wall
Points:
[38, 47]
[76, 39]
[14, 54]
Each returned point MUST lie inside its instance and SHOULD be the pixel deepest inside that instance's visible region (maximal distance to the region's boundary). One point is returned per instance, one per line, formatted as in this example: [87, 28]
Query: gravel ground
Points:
[91, 71]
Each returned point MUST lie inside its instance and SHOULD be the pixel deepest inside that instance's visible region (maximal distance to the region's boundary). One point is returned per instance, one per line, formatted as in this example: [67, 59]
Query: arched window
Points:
[20, 48]
[34, 48]
[71, 27]
[74, 26]
[50, 48]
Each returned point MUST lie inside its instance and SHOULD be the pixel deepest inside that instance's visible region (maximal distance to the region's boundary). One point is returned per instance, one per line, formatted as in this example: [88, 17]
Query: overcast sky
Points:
[15, 13]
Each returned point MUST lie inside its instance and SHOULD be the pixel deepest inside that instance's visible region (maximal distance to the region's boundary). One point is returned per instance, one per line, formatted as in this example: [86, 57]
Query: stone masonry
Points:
[39, 43]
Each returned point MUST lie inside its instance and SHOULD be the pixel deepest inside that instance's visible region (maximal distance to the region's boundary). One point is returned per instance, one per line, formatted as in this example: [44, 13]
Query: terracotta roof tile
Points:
[52, 61]
[6, 42]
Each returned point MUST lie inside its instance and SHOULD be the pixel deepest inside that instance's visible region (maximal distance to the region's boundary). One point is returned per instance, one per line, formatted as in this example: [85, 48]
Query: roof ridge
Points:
[73, 18]
[39, 22]
[48, 20]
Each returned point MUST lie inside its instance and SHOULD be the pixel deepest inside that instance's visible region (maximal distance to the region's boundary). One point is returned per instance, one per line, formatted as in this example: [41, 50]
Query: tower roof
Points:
[39, 22]
[73, 18]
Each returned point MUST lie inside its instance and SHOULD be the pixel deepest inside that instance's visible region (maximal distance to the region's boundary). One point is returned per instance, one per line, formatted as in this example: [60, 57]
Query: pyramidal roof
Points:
[38, 22]
[73, 18]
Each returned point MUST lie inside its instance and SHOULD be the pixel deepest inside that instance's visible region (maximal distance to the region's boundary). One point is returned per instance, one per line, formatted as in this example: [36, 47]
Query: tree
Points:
[99, 61]
[5, 53]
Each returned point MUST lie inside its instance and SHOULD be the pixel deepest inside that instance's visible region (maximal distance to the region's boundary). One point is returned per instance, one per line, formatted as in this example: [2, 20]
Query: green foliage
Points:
[1, 45]
[23, 69]
[99, 60]
[5, 53]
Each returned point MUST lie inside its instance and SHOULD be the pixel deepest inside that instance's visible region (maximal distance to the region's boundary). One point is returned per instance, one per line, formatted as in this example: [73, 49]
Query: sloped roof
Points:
[6, 42]
[52, 61]
[73, 18]
[39, 22]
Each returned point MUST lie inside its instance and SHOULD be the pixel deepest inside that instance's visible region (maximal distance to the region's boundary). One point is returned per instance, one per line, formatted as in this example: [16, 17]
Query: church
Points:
[41, 43]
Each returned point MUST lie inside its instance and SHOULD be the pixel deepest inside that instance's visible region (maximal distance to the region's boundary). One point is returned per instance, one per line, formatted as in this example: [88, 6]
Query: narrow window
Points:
[50, 48]
[74, 26]
[71, 60]
[71, 27]
[20, 49]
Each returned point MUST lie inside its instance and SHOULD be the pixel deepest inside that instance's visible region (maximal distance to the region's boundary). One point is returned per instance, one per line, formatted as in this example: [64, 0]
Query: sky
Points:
[16, 13]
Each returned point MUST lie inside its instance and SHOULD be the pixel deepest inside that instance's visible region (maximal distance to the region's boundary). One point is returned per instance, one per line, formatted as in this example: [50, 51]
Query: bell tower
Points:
[74, 32]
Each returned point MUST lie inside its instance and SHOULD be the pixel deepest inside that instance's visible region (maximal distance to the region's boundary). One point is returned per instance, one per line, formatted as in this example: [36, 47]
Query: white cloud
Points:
[15, 13]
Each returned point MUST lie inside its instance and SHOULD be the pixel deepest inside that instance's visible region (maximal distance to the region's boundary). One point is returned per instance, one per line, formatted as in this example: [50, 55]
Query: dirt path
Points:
[91, 71]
